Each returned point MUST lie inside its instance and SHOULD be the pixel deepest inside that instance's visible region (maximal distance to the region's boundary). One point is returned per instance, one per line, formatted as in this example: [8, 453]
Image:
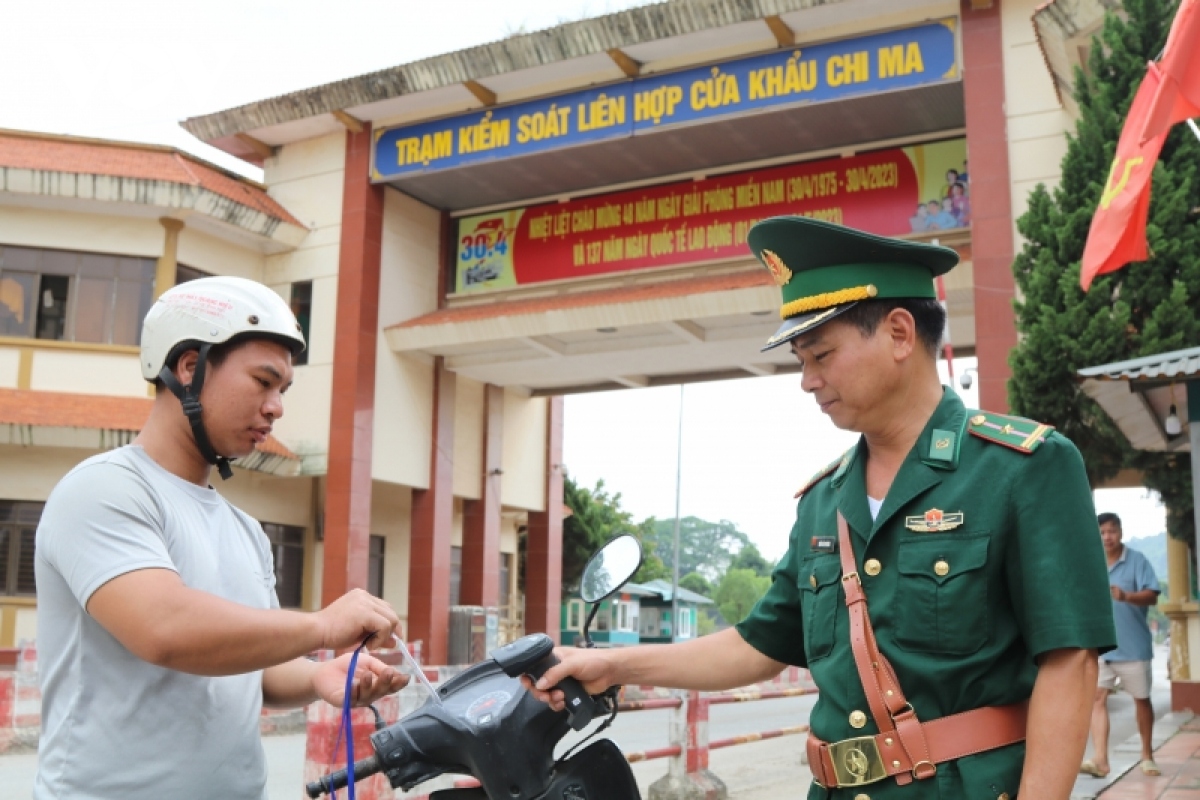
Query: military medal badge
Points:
[934, 520]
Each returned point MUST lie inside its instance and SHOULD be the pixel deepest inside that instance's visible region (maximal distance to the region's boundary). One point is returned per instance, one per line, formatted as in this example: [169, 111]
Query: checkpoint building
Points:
[470, 237]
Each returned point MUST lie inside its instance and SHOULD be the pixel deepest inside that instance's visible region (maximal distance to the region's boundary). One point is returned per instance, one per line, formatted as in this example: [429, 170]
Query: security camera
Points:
[966, 380]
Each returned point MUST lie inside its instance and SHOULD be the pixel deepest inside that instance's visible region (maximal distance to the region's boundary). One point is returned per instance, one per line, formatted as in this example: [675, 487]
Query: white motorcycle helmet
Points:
[198, 315]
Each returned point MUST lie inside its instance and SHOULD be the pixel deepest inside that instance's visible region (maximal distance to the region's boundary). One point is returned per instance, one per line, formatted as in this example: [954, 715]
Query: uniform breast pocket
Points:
[942, 597]
[820, 580]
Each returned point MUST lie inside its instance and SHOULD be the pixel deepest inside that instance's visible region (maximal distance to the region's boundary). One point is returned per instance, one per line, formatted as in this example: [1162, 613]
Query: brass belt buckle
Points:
[857, 762]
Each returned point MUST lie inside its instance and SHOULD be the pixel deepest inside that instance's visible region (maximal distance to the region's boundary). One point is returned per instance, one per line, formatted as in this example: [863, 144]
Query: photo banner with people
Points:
[917, 189]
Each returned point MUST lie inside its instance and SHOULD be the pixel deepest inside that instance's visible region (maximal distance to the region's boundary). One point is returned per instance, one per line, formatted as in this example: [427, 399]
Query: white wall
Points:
[1036, 121]
[524, 462]
[391, 516]
[468, 438]
[307, 178]
[30, 473]
[404, 384]
[66, 370]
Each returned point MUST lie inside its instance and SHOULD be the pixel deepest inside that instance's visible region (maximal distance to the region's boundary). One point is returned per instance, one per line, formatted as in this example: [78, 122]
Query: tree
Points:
[596, 517]
[1144, 309]
[704, 547]
[750, 558]
[695, 582]
[740, 589]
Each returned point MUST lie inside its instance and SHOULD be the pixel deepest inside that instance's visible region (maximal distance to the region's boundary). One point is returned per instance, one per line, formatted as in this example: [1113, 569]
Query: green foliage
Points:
[739, 590]
[697, 583]
[596, 517]
[750, 558]
[704, 547]
[1146, 308]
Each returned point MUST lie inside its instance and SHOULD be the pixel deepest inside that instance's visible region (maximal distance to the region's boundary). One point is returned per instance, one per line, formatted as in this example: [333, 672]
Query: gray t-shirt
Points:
[114, 726]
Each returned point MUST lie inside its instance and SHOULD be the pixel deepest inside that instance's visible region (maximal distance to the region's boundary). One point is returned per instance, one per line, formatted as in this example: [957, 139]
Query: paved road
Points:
[758, 771]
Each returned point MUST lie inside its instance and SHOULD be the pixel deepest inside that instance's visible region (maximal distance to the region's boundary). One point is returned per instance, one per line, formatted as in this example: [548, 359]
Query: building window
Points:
[75, 297]
[302, 308]
[505, 578]
[575, 615]
[287, 549]
[18, 529]
[685, 623]
[650, 621]
[455, 575]
[375, 566]
[184, 274]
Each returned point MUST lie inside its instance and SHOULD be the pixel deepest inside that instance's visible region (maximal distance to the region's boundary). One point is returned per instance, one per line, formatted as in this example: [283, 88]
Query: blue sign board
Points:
[881, 62]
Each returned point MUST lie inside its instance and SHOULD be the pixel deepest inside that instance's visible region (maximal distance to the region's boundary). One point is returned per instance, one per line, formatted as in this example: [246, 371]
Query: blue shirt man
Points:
[1134, 588]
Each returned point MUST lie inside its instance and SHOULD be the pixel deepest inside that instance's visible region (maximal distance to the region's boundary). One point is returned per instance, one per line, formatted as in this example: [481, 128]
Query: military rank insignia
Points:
[934, 520]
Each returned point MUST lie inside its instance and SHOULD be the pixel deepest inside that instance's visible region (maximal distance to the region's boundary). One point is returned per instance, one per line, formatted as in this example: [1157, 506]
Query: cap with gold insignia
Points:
[824, 269]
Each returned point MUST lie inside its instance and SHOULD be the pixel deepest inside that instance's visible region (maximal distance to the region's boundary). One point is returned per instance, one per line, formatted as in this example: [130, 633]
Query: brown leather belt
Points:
[905, 748]
[867, 759]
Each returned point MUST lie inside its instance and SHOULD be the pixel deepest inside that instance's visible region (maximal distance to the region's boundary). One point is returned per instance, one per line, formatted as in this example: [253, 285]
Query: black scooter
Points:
[483, 723]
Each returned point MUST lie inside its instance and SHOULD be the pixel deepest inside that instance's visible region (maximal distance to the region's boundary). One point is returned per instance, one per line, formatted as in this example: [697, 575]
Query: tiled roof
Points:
[1180, 364]
[71, 154]
[623, 294]
[101, 412]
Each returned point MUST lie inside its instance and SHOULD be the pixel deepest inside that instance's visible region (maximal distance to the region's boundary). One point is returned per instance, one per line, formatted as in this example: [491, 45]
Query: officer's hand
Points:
[595, 669]
[352, 617]
[373, 679]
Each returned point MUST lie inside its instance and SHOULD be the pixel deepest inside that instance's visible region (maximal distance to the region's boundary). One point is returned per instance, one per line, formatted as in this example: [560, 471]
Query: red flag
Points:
[1178, 95]
[1118, 232]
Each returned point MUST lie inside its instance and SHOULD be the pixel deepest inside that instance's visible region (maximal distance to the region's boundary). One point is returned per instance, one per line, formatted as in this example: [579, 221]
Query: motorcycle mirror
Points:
[610, 568]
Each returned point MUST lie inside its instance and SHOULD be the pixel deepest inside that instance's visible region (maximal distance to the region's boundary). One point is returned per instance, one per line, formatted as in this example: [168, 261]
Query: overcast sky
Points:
[131, 69]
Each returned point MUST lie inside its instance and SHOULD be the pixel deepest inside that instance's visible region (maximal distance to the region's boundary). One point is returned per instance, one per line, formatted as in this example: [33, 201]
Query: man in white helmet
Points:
[160, 636]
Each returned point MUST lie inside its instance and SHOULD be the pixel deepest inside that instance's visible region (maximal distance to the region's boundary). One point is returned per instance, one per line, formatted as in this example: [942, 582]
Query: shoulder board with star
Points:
[1017, 433]
[824, 473]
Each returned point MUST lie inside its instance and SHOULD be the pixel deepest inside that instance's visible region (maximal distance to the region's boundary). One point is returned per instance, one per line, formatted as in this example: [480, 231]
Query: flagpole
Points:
[1195, 128]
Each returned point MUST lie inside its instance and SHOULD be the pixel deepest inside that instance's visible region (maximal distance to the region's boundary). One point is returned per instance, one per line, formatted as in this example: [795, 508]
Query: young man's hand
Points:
[353, 617]
[373, 679]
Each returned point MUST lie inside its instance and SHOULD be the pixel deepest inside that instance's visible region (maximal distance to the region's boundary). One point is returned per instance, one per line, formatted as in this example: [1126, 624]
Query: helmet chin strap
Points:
[189, 398]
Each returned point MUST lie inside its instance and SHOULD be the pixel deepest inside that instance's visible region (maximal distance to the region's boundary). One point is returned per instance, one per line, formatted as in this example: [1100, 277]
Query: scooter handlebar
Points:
[330, 783]
[581, 707]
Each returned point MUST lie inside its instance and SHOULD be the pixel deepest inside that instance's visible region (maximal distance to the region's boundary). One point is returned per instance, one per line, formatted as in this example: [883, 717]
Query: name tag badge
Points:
[824, 544]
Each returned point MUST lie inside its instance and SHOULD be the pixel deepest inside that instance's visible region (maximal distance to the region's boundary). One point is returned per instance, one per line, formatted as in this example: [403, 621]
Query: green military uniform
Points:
[983, 556]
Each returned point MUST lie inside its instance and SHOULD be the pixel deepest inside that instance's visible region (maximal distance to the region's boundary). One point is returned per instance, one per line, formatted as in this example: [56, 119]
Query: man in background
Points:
[1134, 588]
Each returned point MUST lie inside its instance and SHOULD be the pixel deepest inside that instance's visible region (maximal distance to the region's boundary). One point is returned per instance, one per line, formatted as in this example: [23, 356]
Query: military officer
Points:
[943, 582]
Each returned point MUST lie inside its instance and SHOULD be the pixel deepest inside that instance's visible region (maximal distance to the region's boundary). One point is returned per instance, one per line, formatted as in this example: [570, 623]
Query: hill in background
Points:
[1154, 548]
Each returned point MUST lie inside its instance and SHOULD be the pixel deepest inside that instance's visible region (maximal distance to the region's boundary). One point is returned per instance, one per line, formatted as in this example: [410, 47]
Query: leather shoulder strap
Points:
[889, 708]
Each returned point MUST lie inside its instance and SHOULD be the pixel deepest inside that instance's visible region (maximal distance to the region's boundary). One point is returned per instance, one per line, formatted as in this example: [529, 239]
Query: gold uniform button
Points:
[941, 568]
[857, 719]
[872, 567]
[1003, 796]
[812, 581]
[862, 797]
[978, 420]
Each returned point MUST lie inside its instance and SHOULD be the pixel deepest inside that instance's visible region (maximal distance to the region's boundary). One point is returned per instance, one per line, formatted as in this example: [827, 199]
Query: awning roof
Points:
[24, 410]
[1139, 393]
[673, 330]
[128, 178]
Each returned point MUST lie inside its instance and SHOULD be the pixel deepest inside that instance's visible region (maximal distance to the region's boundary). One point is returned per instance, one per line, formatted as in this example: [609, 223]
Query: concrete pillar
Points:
[481, 518]
[352, 412]
[1181, 608]
[164, 270]
[1178, 586]
[1193, 425]
[991, 202]
[543, 553]
[432, 521]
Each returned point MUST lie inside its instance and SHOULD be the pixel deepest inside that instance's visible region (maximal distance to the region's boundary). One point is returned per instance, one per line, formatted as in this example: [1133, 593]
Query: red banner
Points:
[888, 192]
